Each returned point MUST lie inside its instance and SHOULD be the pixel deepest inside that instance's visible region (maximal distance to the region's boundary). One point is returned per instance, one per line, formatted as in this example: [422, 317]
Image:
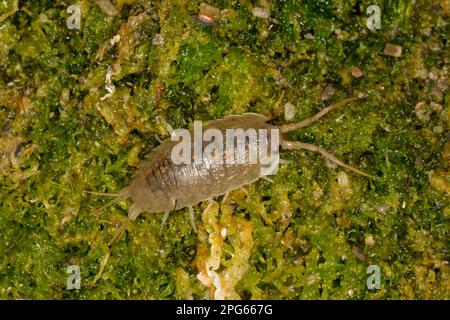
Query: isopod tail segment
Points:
[133, 213]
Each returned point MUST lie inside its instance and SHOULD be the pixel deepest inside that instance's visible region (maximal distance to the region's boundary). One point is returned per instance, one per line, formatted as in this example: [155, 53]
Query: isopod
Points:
[159, 185]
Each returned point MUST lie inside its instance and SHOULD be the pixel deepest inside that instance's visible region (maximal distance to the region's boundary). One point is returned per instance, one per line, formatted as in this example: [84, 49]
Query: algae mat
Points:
[87, 89]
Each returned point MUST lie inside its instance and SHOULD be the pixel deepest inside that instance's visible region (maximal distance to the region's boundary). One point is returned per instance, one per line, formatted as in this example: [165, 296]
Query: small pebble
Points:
[369, 240]
[289, 111]
[342, 179]
[209, 10]
[338, 33]
[427, 31]
[311, 279]
[422, 113]
[438, 129]
[204, 19]
[382, 208]
[432, 76]
[115, 40]
[357, 72]
[436, 107]
[328, 92]
[393, 50]
[421, 74]
[261, 12]
[158, 39]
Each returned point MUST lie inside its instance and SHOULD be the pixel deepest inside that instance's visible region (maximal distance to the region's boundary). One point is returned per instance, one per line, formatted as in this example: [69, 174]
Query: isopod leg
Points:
[225, 197]
[267, 179]
[192, 218]
[295, 145]
[164, 220]
[286, 162]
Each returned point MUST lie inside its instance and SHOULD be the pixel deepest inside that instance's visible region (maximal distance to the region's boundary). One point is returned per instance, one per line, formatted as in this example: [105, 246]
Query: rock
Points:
[158, 40]
[209, 10]
[438, 129]
[260, 12]
[393, 50]
[369, 240]
[328, 92]
[421, 74]
[422, 112]
[289, 111]
[357, 72]
[338, 32]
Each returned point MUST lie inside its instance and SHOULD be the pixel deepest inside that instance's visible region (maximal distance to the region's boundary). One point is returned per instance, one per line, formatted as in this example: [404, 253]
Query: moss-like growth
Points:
[80, 107]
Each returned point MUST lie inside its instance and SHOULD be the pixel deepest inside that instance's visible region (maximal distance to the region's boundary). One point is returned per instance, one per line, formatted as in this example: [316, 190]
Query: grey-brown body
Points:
[160, 185]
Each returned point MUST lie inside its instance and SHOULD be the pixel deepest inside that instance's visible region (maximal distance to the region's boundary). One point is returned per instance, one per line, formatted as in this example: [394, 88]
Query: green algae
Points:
[315, 229]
